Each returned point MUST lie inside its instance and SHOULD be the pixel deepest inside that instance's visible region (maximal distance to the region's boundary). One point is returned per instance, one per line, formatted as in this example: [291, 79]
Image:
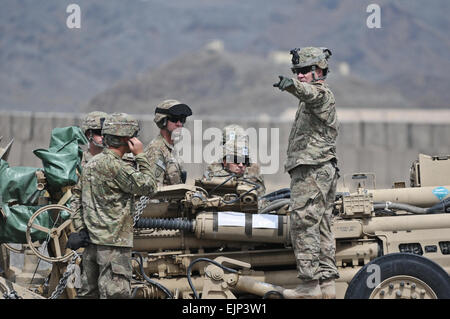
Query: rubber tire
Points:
[401, 264]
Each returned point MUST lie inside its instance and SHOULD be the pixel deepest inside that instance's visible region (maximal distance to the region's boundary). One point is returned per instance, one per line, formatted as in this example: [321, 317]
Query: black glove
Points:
[183, 176]
[284, 83]
[77, 240]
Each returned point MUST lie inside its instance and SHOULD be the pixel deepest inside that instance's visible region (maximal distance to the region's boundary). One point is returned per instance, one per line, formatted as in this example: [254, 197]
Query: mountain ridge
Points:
[44, 66]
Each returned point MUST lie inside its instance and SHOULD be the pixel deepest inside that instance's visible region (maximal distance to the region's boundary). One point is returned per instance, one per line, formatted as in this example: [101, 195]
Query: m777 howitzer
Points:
[216, 239]
[390, 243]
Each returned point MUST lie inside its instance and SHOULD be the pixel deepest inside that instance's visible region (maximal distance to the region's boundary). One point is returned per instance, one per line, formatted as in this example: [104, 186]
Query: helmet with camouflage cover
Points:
[310, 56]
[170, 108]
[120, 124]
[233, 132]
[236, 151]
[93, 121]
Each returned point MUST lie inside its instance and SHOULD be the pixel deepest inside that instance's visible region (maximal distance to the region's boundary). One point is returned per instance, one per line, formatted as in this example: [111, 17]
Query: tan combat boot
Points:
[328, 288]
[306, 290]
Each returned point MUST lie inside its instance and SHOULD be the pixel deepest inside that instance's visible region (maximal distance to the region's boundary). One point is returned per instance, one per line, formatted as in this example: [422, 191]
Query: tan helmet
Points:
[170, 108]
[233, 132]
[236, 151]
[120, 124]
[93, 121]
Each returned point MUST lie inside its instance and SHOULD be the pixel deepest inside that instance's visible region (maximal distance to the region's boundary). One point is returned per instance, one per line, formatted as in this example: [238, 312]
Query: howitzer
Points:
[215, 240]
[391, 227]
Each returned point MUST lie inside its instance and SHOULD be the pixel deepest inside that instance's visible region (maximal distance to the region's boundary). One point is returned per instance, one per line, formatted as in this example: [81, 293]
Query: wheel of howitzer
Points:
[56, 235]
[15, 250]
[400, 276]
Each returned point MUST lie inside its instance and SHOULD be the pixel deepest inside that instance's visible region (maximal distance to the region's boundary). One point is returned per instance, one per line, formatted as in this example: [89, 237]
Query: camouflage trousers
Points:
[313, 189]
[106, 272]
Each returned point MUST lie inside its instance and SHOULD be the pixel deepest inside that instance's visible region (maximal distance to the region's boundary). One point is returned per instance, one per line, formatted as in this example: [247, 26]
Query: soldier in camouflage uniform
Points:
[92, 128]
[108, 188]
[236, 159]
[169, 116]
[312, 165]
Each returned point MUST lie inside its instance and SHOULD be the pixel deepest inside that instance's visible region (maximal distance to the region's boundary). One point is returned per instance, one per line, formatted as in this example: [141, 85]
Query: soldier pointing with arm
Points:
[312, 165]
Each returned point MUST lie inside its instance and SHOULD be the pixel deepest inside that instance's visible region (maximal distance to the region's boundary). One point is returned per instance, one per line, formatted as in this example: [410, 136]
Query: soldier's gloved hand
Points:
[77, 240]
[284, 83]
[183, 176]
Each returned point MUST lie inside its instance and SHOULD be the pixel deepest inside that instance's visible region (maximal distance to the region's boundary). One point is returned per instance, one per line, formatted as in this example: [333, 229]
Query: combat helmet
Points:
[120, 124]
[236, 151]
[233, 132]
[310, 57]
[171, 108]
[93, 121]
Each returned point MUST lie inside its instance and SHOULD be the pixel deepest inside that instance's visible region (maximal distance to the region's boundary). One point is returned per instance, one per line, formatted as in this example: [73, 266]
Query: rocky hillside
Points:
[217, 82]
[149, 49]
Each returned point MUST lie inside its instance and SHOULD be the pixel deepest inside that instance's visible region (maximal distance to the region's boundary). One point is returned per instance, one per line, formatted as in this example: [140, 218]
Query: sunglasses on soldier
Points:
[238, 160]
[304, 70]
[175, 119]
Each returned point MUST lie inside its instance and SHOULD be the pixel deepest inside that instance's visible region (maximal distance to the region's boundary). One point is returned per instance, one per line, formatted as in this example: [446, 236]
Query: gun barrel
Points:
[407, 223]
[416, 196]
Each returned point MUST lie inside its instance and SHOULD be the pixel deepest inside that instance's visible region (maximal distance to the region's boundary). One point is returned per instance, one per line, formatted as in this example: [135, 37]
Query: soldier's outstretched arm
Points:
[309, 93]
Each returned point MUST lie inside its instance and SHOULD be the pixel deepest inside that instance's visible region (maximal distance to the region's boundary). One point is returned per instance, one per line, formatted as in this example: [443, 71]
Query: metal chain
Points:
[140, 206]
[10, 293]
[63, 281]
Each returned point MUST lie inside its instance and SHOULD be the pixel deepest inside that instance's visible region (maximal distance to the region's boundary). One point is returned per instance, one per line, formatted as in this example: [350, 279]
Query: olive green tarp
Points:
[18, 185]
[63, 157]
[13, 228]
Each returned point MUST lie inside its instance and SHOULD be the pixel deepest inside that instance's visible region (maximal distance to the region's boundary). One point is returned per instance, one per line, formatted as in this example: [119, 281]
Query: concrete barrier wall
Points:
[384, 142]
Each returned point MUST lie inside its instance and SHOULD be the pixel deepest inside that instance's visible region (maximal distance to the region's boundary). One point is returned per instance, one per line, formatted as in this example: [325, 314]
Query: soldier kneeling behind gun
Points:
[236, 161]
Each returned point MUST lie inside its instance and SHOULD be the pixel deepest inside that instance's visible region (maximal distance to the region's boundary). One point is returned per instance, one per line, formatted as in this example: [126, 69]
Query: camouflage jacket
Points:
[75, 200]
[86, 157]
[313, 135]
[167, 168]
[251, 173]
[108, 186]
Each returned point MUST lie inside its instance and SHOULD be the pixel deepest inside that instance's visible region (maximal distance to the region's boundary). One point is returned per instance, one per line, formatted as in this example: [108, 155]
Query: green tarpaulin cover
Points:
[63, 157]
[18, 185]
[14, 227]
